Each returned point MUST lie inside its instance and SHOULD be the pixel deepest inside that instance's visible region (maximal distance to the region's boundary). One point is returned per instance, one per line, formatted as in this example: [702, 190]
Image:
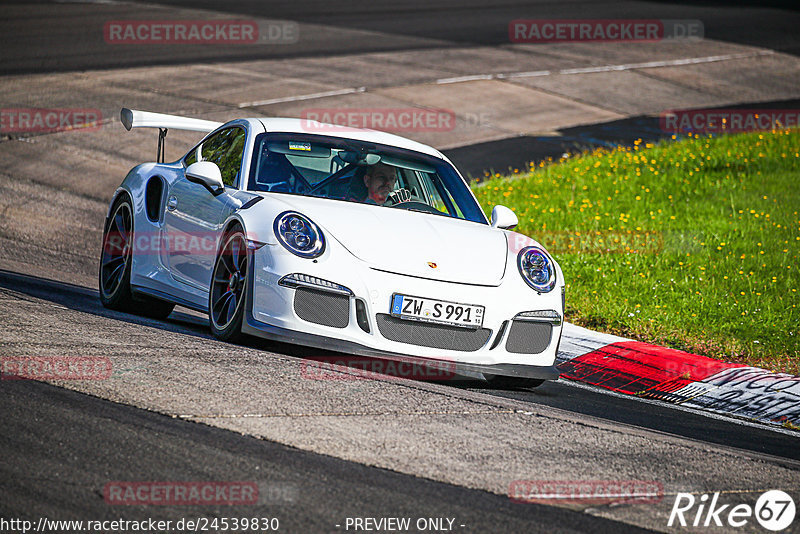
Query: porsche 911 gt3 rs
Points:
[269, 226]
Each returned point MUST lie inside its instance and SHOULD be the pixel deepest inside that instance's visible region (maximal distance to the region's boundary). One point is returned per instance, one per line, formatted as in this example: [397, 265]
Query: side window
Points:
[436, 195]
[191, 157]
[225, 148]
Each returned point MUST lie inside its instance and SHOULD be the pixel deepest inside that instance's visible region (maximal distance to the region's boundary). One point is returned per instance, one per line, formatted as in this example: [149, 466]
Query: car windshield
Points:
[355, 171]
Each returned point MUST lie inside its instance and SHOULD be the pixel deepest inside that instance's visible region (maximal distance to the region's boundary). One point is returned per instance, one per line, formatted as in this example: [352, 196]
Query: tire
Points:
[514, 382]
[228, 291]
[114, 281]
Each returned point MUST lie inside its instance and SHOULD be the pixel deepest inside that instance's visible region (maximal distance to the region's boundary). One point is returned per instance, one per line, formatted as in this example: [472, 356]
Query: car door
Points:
[193, 214]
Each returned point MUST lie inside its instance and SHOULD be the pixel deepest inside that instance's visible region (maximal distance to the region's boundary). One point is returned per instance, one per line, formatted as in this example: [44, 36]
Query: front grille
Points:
[437, 336]
[528, 337]
[320, 307]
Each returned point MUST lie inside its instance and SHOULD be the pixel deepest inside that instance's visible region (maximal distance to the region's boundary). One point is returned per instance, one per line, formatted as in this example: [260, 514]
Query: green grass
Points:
[692, 244]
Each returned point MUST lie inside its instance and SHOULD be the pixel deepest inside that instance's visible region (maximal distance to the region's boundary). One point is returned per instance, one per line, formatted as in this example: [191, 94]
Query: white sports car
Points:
[338, 238]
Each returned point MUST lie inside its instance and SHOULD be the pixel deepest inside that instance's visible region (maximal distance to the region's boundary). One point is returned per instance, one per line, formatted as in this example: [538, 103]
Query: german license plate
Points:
[436, 311]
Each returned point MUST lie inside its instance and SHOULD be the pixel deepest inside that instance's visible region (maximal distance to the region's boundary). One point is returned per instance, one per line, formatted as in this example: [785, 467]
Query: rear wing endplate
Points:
[132, 118]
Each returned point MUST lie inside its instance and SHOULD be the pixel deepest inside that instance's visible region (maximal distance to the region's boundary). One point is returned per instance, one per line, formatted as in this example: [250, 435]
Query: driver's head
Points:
[380, 180]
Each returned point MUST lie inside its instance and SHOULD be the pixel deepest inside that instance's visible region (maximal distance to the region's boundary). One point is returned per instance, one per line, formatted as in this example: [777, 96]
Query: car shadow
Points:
[86, 300]
[319, 364]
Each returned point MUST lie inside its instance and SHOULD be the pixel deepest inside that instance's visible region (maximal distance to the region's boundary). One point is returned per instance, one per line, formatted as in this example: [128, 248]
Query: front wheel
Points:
[226, 299]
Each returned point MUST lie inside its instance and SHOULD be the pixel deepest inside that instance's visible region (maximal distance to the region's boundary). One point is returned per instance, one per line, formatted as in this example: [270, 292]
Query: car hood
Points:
[411, 243]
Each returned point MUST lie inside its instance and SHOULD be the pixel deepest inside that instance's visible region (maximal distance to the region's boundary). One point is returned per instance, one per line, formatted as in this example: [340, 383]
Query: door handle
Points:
[172, 203]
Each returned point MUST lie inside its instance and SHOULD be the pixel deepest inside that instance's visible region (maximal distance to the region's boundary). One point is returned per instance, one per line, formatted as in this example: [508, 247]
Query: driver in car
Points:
[380, 180]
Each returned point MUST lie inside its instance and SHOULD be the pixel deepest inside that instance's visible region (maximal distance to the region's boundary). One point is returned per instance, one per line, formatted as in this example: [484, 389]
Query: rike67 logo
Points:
[774, 510]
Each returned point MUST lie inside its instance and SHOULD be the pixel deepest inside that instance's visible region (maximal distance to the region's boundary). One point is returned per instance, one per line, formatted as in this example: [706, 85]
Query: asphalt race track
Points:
[307, 492]
[63, 446]
[384, 26]
[562, 395]
[182, 406]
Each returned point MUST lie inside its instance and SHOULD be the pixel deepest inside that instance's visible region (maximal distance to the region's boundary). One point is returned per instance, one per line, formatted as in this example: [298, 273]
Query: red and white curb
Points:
[649, 371]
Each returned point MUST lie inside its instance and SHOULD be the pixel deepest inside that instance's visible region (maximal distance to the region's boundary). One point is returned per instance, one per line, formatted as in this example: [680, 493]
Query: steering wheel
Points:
[416, 205]
[398, 196]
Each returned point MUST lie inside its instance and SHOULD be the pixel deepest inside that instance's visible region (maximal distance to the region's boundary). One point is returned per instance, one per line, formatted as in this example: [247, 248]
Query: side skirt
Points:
[161, 295]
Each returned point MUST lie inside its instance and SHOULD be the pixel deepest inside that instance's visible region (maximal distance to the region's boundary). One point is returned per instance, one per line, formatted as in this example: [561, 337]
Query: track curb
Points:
[640, 369]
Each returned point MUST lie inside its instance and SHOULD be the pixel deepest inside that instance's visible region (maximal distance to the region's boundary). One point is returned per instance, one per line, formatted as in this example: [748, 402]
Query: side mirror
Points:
[503, 217]
[206, 173]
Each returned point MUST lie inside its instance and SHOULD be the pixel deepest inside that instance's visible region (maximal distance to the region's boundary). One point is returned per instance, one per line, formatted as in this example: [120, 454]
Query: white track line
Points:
[469, 78]
[337, 92]
[608, 68]
[528, 74]
[667, 63]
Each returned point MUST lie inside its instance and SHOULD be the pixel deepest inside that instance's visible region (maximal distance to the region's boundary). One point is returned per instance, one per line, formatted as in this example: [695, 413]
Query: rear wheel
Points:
[115, 266]
[226, 299]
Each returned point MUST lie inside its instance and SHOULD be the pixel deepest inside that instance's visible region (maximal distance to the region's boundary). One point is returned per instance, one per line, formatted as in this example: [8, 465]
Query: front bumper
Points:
[271, 313]
[257, 328]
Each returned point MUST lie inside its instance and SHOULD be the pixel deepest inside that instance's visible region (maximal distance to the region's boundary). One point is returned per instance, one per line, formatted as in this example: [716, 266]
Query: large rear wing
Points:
[132, 118]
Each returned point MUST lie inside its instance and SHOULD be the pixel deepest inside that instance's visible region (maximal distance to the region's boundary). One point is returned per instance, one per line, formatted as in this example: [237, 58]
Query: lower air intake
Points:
[436, 336]
[528, 337]
[321, 307]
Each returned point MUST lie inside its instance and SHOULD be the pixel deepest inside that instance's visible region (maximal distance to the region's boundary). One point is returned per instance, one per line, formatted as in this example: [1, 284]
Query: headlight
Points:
[537, 269]
[299, 235]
